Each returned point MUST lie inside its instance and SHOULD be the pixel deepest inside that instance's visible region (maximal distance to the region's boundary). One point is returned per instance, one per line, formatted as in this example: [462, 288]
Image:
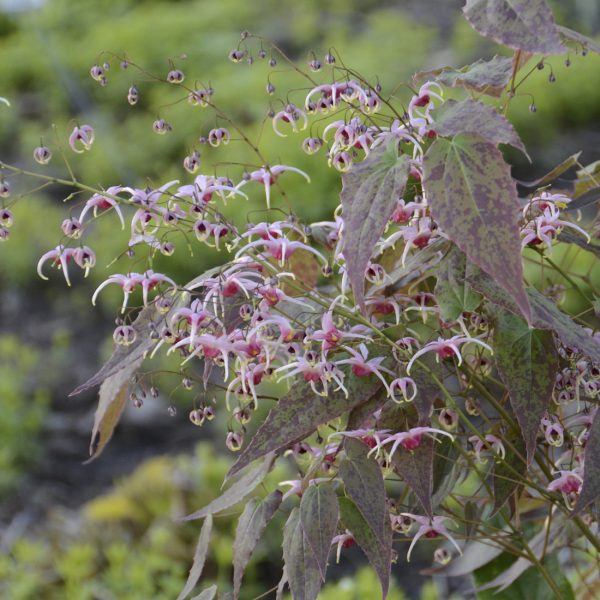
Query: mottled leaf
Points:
[301, 566]
[545, 314]
[123, 356]
[305, 267]
[364, 484]
[112, 399]
[416, 468]
[474, 199]
[452, 292]
[557, 171]
[484, 76]
[505, 480]
[319, 514]
[590, 490]
[527, 362]
[471, 116]
[378, 553]
[237, 491]
[521, 24]
[208, 594]
[199, 558]
[370, 190]
[299, 413]
[251, 525]
[568, 35]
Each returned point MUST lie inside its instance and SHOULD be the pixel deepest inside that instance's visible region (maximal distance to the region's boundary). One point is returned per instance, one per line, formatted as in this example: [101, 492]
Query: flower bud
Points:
[167, 249]
[312, 145]
[234, 441]
[161, 126]
[42, 155]
[209, 413]
[329, 59]
[4, 234]
[72, 228]
[187, 383]
[272, 62]
[442, 556]
[172, 410]
[175, 76]
[448, 419]
[6, 218]
[97, 72]
[262, 54]
[237, 56]
[4, 188]
[471, 407]
[197, 416]
[218, 136]
[270, 89]
[124, 335]
[315, 65]
[133, 95]
[192, 162]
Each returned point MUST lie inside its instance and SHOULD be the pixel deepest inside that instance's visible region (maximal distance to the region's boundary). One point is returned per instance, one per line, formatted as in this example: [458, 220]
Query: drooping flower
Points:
[81, 137]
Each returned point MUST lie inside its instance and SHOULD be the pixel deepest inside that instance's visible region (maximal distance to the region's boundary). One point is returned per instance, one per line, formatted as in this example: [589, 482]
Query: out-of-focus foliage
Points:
[23, 407]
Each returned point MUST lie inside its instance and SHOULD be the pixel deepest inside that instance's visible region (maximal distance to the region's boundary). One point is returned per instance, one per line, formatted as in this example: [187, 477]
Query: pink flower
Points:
[84, 136]
[268, 176]
[83, 257]
[430, 528]
[102, 202]
[445, 348]
[488, 442]
[569, 484]
[291, 114]
[362, 366]
[409, 440]
[344, 540]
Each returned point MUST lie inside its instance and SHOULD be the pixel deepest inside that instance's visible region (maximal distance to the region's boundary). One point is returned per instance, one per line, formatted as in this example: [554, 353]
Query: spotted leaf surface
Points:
[522, 24]
[369, 194]
[527, 362]
[474, 199]
[471, 116]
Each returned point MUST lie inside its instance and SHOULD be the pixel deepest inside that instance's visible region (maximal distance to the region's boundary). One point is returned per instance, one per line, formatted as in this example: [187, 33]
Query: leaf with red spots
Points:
[300, 412]
[522, 24]
[474, 199]
[590, 490]
[378, 553]
[319, 514]
[416, 468]
[301, 566]
[471, 116]
[527, 362]
[369, 194]
[364, 485]
[484, 76]
[251, 525]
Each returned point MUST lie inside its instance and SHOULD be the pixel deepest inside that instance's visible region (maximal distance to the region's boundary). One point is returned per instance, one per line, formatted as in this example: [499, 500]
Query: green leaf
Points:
[484, 76]
[208, 594]
[364, 484]
[301, 566]
[527, 362]
[319, 514]
[504, 479]
[471, 116]
[474, 199]
[522, 24]
[378, 552]
[568, 35]
[251, 525]
[199, 558]
[238, 490]
[561, 168]
[587, 179]
[531, 584]
[370, 190]
[299, 413]
[452, 292]
[416, 468]
[590, 490]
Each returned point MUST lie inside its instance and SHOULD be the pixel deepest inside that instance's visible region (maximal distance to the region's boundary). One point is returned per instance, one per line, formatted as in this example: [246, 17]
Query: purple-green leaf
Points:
[527, 362]
[522, 24]
[301, 566]
[471, 116]
[545, 314]
[378, 552]
[369, 194]
[568, 35]
[474, 199]
[299, 413]
[238, 490]
[590, 490]
[508, 473]
[484, 76]
[319, 514]
[199, 558]
[251, 525]
[416, 468]
[452, 292]
[364, 485]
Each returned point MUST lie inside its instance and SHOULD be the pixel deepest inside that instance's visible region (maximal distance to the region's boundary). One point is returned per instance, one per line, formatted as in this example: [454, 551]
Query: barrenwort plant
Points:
[436, 399]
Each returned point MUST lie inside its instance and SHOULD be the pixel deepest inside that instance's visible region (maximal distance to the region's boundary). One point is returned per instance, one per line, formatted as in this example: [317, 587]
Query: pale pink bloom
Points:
[296, 485]
[362, 365]
[569, 484]
[292, 115]
[82, 136]
[430, 528]
[409, 440]
[313, 370]
[403, 385]
[268, 176]
[490, 442]
[99, 201]
[83, 257]
[344, 540]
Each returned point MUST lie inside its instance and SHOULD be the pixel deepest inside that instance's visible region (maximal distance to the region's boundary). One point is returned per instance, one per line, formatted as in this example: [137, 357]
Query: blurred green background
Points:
[104, 530]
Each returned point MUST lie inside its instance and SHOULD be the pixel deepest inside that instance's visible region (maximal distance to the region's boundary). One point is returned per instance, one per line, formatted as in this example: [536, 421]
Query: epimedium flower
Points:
[487, 442]
[83, 257]
[430, 528]
[104, 202]
[268, 176]
[290, 114]
[81, 138]
[445, 348]
[147, 280]
[409, 440]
